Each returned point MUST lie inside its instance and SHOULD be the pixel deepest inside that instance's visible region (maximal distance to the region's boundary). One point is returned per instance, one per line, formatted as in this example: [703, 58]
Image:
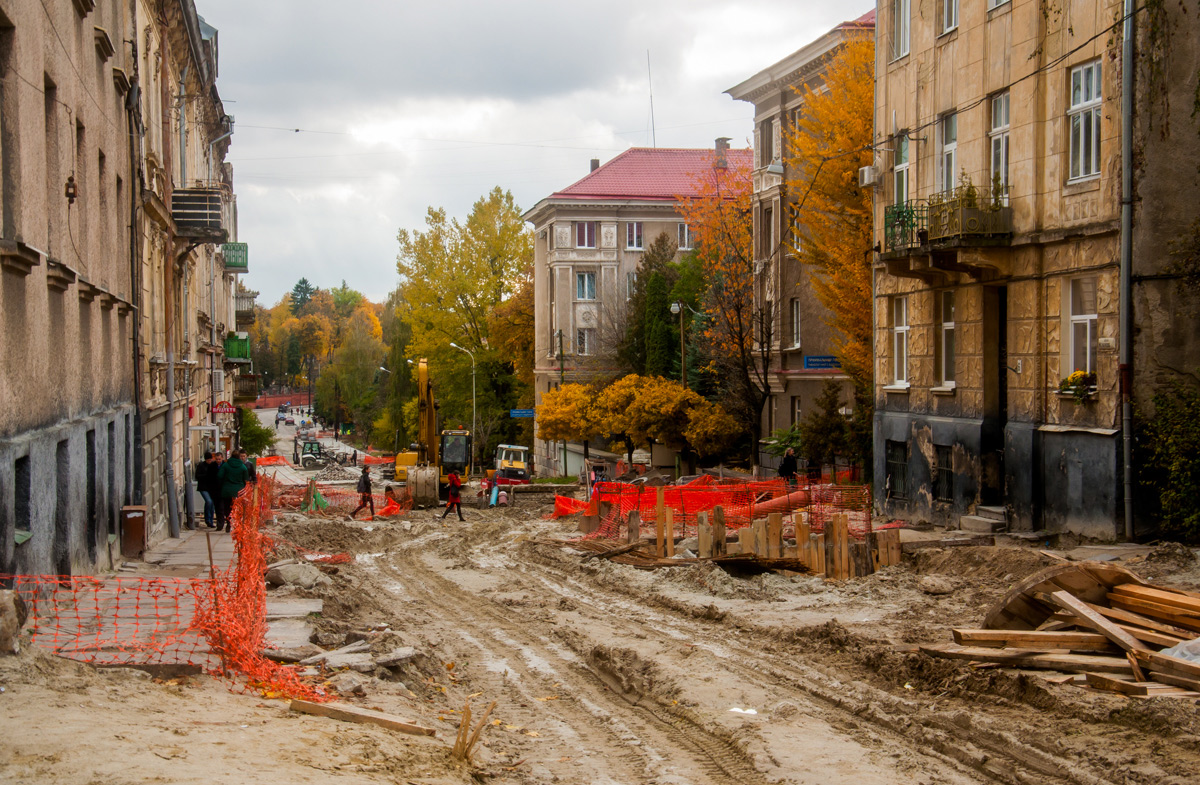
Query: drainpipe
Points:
[1126, 298]
[212, 302]
[188, 464]
[183, 126]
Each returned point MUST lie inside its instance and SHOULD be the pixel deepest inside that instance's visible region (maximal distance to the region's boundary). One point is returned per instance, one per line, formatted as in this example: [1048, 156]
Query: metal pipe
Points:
[183, 125]
[1126, 296]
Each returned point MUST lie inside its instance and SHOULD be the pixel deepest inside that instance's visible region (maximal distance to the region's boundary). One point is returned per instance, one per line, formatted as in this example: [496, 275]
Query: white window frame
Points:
[999, 108]
[1089, 321]
[585, 234]
[949, 157]
[949, 16]
[946, 337]
[995, 4]
[900, 328]
[585, 341]
[1085, 94]
[900, 170]
[901, 27]
[630, 285]
[585, 285]
[633, 235]
[795, 307]
[685, 237]
[797, 409]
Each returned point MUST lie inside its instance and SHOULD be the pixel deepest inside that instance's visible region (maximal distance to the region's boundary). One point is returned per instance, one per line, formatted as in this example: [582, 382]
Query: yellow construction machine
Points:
[425, 469]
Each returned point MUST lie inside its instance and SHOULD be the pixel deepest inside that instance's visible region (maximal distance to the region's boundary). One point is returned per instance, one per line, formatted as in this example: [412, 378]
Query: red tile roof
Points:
[866, 20]
[649, 173]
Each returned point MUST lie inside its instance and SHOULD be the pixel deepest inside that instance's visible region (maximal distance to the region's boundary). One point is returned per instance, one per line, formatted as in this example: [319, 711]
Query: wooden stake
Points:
[775, 535]
[634, 527]
[670, 525]
[704, 536]
[659, 524]
[718, 531]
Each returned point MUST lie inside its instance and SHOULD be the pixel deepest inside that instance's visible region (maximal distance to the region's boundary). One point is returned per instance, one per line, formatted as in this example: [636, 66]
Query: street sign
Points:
[520, 412]
[224, 407]
[821, 362]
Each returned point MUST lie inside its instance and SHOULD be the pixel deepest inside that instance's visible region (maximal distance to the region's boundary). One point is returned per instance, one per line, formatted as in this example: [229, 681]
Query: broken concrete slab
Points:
[396, 656]
[288, 633]
[293, 608]
[353, 648]
[293, 654]
[349, 683]
[305, 576]
[361, 661]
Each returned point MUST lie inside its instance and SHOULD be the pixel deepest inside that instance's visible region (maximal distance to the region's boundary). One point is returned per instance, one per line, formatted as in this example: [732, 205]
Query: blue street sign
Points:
[520, 412]
[821, 362]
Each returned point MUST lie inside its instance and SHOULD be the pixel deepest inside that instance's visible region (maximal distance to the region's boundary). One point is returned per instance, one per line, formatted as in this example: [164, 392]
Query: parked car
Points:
[289, 421]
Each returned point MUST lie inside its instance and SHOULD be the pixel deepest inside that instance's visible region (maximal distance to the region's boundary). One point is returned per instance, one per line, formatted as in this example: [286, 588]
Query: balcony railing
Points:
[198, 213]
[243, 307]
[965, 216]
[245, 387]
[237, 348]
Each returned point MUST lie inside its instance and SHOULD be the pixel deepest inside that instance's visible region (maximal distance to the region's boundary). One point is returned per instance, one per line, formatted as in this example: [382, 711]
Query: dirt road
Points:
[602, 673]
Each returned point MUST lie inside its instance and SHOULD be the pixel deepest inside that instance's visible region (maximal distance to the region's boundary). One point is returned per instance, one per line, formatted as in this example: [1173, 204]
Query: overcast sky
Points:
[402, 105]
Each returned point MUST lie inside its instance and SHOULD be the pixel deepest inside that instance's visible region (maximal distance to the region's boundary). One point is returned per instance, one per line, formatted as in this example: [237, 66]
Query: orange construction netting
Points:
[272, 460]
[742, 502]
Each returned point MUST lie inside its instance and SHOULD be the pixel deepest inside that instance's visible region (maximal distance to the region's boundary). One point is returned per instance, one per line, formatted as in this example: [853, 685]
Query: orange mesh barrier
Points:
[376, 459]
[272, 460]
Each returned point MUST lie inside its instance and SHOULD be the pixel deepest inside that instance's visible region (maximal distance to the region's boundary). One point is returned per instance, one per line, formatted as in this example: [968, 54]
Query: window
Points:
[998, 140]
[766, 142]
[901, 170]
[1083, 120]
[900, 26]
[797, 410]
[685, 237]
[949, 151]
[768, 233]
[585, 234]
[795, 322]
[995, 4]
[900, 340]
[630, 285]
[949, 15]
[1083, 325]
[585, 340]
[23, 503]
[633, 235]
[897, 469]
[585, 286]
[946, 341]
[943, 473]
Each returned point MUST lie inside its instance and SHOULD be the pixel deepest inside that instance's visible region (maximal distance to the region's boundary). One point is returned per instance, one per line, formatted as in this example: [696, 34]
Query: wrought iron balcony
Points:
[243, 307]
[198, 213]
[245, 387]
[966, 216]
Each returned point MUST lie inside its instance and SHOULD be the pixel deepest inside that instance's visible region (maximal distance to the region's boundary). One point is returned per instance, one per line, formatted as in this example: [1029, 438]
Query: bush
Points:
[253, 436]
[1171, 463]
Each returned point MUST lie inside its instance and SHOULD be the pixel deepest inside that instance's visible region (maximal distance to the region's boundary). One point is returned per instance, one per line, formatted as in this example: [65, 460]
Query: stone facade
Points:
[999, 248]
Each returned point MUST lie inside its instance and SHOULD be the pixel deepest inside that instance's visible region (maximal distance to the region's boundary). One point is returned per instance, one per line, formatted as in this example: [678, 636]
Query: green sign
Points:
[237, 256]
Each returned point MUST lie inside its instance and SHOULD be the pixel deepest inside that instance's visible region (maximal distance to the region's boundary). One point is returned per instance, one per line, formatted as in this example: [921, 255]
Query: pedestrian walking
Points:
[250, 467]
[206, 485]
[233, 476]
[364, 493]
[454, 494]
[787, 467]
[354, 459]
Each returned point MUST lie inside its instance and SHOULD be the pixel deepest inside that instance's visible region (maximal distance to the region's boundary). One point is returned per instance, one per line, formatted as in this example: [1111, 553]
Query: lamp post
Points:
[677, 308]
[474, 428]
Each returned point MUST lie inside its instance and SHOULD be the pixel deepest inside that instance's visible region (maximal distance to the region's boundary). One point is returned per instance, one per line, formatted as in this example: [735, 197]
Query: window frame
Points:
[1090, 321]
[948, 127]
[999, 134]
[949, 20]
[895, 467]
[900, 167]
[943, 473]
[585, 234]
[633, 236]
[946, 330]
[585, 340]
[994, 4]
[685, 238]
[795, 313]
[581, 288]
[901, 28]
[900, 330]
[1081, 110]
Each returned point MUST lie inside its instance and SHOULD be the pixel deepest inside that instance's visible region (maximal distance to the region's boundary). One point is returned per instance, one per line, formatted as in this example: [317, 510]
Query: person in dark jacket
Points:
[364, 493]
[206, 485]
[232, 476]
[787, 467]
[454, 493]
[249, 466]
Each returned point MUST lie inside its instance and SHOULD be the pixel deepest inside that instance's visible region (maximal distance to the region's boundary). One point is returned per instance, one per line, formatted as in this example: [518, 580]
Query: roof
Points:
[649, 173]
[866, 20]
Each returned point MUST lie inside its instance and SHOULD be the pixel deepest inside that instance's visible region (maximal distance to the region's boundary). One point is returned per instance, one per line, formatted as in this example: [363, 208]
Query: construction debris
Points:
[348, 713]
[1097, 619]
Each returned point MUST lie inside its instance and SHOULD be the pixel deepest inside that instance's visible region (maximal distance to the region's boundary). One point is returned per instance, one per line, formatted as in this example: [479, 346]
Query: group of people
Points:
[219, 480]
[367, 500]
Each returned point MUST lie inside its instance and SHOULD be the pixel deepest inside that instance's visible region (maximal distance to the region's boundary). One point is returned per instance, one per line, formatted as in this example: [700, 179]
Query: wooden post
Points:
[746, 540]
[718, 531]
[670, 526]
[704, 536]
[758, 531]
[804, 545]
[816, 552]
[837, 549]
[635, 526]
[775, 535]
[659, 524]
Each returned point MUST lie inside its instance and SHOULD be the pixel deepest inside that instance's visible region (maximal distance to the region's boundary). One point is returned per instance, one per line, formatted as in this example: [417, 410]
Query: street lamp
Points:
[474, 428]
[385, 370]
[677, 308]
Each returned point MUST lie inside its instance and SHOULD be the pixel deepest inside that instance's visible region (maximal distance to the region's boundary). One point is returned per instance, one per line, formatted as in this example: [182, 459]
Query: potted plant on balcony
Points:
[1080, 385]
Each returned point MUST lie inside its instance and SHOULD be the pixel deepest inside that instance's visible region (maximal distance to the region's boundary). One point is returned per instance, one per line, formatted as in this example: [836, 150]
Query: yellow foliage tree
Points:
[829, 144]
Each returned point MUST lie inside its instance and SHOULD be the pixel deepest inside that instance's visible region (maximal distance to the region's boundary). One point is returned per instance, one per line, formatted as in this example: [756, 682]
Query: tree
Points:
[830, 142]
[825, 434]
[511, 325]
[253, 436]
[739, 328]
[644, 346]
[302, 292]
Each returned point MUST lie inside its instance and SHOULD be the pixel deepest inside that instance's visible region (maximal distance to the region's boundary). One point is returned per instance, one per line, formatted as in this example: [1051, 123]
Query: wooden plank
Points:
[817, 551]
[670, 526]
[704, 536]
[1089, 618]
[634, 527]
[660, 548]
[1101, 681]
[1186, 605]
[861, 560]
[1025, 658]
[1154, 610]
[1137, 669]
[1156, 661]
[348, 713]
[718, 531]
[1176, 681]
[842, 544]
[775, 535]
[1150, 636]
[1121, 615]
[758, 530]
[955, 542]
[1027, 639]
[746, 539]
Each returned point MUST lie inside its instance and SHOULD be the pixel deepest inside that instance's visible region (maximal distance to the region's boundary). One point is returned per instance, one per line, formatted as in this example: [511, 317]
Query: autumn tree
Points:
[347, 385]
[302, 292]
[648, 343]
[511, 325]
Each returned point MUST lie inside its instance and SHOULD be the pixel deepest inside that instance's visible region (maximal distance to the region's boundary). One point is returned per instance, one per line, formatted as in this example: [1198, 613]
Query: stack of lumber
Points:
[1094, 619]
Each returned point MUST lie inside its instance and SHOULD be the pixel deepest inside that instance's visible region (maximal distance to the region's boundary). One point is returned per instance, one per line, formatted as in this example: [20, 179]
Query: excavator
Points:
[425, 469]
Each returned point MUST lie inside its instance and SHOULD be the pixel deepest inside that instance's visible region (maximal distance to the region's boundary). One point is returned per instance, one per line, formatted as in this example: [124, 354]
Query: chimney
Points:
[595, 164]
[722, 146]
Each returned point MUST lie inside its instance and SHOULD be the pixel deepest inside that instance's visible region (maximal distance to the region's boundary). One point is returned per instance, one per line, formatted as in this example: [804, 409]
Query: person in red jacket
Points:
[454, 493]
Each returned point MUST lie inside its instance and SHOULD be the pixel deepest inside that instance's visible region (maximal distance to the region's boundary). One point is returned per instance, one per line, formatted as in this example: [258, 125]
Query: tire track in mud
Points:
[968, 740]
[631, 732]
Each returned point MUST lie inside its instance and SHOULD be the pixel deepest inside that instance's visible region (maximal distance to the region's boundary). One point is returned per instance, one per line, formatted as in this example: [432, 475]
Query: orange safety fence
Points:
[272, 460]
[742, 502]
[337, 500]
[217, 623]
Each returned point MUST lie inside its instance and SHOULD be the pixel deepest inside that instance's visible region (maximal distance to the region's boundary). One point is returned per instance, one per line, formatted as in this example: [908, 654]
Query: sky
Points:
[401, 106]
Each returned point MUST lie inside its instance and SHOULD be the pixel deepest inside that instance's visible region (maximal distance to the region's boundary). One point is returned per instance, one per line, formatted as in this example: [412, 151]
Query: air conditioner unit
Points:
[218, 381]
[868, 176]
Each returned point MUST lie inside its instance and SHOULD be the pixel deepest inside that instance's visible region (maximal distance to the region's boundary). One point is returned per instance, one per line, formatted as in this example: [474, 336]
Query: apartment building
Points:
[998, 193]
[588, 245]
[803, 352]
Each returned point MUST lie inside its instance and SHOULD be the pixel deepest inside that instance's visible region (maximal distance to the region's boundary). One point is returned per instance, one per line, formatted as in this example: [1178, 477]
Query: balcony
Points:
[236, 257]
[245, 388]
[243, 308]
[237, 349]
[198, 213]
[968, 216]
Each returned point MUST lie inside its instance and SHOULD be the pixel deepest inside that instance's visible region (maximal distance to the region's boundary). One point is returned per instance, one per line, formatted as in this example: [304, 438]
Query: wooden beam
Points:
[1089, 618]
[1167, 613]
[1026, 639]
[1025, 658]
[348, 713]
[670, 526]
[660, 522]
[775, 535]
[704, 536]
[633, 530]
[718, 531]
[1165, 662]
[1188, 606]
[1176, 681]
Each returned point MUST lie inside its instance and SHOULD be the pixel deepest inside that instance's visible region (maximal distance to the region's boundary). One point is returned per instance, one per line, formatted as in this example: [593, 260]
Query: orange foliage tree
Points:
[739, 327]
[830, 142]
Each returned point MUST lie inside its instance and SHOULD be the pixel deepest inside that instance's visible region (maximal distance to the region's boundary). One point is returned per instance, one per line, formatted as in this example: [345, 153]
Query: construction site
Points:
[721, 631]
